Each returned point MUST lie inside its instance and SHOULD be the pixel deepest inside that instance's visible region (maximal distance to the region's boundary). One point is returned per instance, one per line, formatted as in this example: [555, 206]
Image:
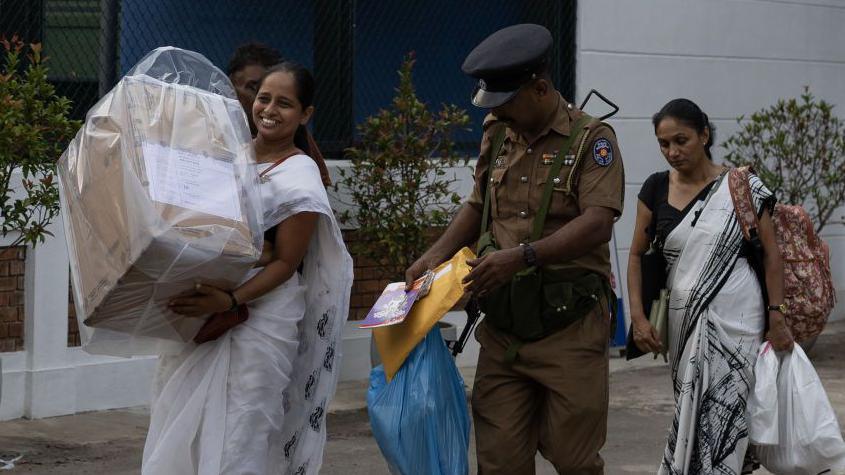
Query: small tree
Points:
[397, 180]
[797, 148]
[34, 130]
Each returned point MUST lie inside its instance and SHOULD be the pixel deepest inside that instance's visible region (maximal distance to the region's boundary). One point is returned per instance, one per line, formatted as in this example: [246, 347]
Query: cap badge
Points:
[482, 84]
[603, 152]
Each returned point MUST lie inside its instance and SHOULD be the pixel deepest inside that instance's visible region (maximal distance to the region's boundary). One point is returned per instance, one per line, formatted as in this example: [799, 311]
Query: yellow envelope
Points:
[395, 342]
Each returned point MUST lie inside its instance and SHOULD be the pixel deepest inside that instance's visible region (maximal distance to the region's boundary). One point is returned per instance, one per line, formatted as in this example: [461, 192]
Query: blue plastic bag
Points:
[420, 418]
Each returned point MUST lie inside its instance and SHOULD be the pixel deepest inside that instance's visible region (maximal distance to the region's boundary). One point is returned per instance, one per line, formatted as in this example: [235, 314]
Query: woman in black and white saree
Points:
[717, 316]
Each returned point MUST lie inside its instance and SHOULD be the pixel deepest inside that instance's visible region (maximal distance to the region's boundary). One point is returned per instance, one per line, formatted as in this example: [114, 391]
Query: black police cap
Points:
[506, 60]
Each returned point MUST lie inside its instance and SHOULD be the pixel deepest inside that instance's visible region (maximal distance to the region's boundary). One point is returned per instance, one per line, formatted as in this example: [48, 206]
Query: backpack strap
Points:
[580, 130]
[495, 148]
[749, 221]
[743, 204]
[809, 230]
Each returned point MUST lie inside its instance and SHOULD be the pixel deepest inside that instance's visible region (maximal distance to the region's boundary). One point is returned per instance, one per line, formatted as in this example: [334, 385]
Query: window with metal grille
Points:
[354, 47]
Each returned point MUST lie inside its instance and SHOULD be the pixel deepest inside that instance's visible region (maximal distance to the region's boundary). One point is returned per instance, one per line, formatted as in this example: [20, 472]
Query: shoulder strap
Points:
[656, 199]
[578, 130]
[741, 197]
[277, 163]
[713, 188]
[495, 148]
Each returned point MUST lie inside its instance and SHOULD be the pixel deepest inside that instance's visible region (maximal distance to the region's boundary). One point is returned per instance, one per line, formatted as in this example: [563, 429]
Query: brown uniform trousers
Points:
[553, 398]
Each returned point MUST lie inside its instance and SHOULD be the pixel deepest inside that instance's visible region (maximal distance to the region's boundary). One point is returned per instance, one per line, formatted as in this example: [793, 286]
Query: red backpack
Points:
[807, 283]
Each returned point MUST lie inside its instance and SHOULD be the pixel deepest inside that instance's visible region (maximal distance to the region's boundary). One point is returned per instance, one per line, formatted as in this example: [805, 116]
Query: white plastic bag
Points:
[810, 441]
[763, 400]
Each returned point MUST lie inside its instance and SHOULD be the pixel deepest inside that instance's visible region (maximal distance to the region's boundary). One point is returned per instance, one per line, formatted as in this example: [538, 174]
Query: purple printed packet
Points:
[394, 303]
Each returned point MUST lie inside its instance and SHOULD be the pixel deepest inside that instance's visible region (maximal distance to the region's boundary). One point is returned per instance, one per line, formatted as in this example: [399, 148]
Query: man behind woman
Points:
[716, 315]
[254, 400]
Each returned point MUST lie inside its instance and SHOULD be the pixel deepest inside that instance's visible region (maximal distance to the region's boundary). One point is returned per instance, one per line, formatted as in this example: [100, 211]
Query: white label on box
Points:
[192, 180]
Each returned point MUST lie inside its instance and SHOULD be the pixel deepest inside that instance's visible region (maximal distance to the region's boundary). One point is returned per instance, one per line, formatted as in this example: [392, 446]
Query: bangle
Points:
[232, 299]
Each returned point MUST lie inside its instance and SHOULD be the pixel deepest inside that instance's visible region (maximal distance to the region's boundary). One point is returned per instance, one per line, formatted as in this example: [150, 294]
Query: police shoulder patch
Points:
[603, 152]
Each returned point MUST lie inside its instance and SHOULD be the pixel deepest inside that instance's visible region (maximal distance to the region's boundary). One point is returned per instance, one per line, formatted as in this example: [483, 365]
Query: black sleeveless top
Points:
[655, 195]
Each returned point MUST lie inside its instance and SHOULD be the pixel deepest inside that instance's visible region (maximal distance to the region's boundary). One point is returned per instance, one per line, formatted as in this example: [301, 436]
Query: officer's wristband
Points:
[529, 256]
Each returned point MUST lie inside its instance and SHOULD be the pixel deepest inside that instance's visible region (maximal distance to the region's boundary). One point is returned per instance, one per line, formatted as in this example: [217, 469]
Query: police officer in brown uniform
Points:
[548, 187]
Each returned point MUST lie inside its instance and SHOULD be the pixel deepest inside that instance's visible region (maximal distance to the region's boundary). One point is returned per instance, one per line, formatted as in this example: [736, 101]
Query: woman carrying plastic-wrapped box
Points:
[166, 201]
[254, 400]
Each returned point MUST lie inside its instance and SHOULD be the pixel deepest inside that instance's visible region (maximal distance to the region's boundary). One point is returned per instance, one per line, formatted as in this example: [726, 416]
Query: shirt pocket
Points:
[498, 193]
[562, 201]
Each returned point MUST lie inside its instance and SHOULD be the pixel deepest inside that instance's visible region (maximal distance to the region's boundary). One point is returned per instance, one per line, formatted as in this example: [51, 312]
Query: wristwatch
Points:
[529, 256]
[777, 308]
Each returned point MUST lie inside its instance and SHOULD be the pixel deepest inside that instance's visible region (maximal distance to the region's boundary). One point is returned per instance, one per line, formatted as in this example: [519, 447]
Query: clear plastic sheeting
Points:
[420, 418]
[188, 68]
[159, 192]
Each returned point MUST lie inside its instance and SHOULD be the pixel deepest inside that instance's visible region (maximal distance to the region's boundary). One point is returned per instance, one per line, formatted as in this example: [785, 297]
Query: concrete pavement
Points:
[641, 405]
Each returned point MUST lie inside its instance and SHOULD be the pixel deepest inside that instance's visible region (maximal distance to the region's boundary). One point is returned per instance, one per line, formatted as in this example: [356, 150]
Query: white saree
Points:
[254, 401]
[716, 321]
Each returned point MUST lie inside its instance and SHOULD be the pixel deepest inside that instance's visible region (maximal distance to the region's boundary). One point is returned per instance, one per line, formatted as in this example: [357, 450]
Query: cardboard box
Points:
[159, 192]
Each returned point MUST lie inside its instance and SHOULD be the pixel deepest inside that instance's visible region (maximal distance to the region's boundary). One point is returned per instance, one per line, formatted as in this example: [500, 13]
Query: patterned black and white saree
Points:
[716, 321]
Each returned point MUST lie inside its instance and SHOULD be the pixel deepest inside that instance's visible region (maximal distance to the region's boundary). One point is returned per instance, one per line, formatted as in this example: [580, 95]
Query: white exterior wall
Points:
[48, 378]
[732, 57]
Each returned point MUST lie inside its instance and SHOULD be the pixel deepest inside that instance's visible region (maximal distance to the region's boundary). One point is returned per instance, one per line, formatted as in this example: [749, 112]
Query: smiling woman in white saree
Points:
[254, 400]
[716, 310]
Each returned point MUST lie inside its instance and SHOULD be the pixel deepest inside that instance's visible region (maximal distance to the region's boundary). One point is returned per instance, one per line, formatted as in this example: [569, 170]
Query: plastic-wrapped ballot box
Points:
[158, 193]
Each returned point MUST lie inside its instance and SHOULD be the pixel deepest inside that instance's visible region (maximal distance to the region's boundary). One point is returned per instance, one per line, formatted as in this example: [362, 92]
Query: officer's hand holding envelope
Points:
[493, 270]
[396, 341]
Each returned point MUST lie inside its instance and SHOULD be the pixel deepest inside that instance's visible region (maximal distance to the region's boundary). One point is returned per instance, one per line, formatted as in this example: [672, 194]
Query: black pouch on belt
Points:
[539, 302]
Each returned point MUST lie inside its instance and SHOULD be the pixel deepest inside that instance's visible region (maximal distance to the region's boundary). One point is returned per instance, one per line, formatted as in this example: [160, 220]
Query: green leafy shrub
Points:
[398, 179]
[34, 130]
[797, 147]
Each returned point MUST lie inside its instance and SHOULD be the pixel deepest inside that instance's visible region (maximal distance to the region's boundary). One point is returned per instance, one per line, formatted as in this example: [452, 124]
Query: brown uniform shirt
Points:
[520, 173]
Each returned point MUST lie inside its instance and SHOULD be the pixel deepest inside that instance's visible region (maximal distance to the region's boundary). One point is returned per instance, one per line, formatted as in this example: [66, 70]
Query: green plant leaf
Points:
[34, 130]
[397, 179]
[797, 147]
